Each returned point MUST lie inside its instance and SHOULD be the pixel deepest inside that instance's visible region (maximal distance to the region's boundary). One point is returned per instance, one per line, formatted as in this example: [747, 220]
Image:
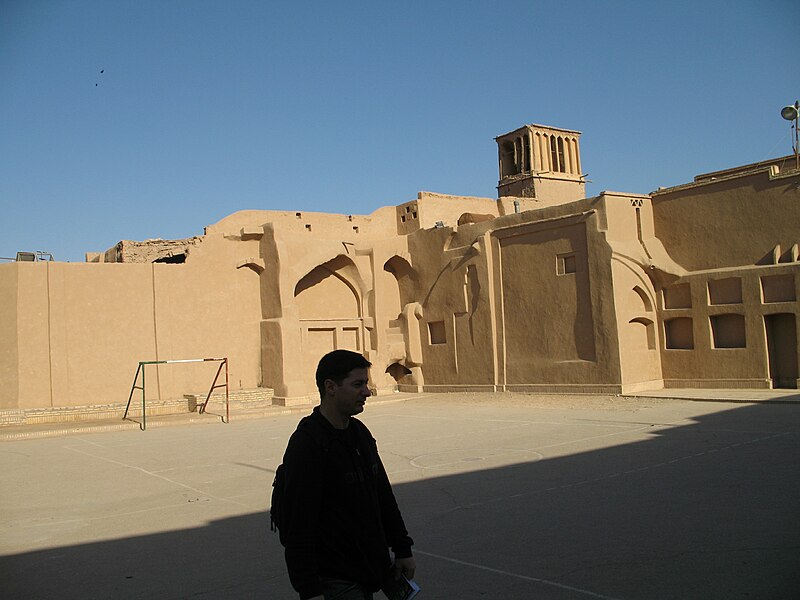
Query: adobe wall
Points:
[703, 350]
[9, 350]
[488, 315]
[548, 189]
[730, 222]
[84, 327]
[249, 223]
[736, 233]
[333, 293]
[617, 293]
[628, 230]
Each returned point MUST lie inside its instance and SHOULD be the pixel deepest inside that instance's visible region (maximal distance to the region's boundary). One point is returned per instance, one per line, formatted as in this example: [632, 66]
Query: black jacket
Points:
[341, 515]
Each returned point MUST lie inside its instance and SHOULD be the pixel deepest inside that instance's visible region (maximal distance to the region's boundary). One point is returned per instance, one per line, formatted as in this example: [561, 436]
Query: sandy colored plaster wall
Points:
[735, 222]
[315, 300]
[627, 226]
[334, 293]
[208, 308]
[83, 328]
[77, 322]
[558, 322]
[310, 224]
[490, 318]
[9, 350]
[737, 356]
[635, 301]
[440, 207]
[455, 293]
[506, 204]
[36, 369]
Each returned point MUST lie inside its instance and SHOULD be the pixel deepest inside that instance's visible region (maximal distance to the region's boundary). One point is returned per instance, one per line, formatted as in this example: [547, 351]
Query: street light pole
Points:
[792, 113]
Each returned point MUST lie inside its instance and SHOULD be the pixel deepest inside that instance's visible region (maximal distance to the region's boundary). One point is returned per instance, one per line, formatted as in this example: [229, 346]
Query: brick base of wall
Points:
[239, 399]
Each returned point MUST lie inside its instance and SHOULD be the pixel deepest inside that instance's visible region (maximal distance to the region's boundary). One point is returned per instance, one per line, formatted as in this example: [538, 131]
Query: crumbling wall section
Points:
[148, 251]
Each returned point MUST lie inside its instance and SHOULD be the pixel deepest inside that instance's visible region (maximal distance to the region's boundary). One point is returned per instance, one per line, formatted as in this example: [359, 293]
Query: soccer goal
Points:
[223, 364]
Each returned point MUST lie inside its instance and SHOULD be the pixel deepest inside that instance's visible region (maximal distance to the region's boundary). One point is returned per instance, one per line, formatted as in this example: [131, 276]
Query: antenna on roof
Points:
[792, 113]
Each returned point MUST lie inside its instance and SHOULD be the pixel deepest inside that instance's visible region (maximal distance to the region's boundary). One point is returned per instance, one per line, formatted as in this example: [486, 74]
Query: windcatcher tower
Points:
[540, 162]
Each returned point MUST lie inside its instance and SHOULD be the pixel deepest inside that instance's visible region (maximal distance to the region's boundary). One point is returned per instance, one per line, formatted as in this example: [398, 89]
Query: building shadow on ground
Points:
[706, 510]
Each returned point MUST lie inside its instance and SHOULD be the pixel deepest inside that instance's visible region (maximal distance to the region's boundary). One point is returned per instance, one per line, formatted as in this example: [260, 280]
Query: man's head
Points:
[336, 366]
[343, 382]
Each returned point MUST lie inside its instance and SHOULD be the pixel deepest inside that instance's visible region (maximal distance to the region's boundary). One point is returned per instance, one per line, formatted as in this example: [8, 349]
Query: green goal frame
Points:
[223, 363]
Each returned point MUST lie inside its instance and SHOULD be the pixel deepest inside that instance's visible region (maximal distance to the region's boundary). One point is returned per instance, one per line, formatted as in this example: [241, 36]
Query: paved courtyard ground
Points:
[507, 496]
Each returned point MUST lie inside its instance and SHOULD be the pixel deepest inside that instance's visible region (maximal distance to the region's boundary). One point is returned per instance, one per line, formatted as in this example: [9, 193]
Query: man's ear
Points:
[330, 387]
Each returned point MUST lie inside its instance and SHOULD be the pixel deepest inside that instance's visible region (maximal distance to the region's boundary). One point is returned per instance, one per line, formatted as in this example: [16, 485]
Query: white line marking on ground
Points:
[48, 523]
[513, 421]
[91, 443]
[516, 575]
[612, 475]
[152, 474]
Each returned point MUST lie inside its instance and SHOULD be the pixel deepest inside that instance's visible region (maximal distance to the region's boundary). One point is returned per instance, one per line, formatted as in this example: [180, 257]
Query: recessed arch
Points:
[398, 371]
[405, 279]
[649, 330]
[646, 302]
[329, 291]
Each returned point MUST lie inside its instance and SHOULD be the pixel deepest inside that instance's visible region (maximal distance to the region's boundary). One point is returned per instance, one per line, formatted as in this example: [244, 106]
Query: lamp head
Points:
[790, 113]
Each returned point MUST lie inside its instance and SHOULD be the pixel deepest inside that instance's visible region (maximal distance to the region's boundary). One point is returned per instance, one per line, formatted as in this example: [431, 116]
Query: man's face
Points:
[349, 397]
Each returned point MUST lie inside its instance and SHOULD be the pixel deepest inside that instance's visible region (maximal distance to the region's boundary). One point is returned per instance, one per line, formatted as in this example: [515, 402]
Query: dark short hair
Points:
[337, 365]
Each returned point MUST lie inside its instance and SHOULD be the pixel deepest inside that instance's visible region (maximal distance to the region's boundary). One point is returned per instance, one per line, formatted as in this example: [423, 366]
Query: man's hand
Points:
[404, 566]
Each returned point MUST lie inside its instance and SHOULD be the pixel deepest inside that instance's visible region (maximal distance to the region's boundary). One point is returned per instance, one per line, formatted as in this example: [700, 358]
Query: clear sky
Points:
[152, 119]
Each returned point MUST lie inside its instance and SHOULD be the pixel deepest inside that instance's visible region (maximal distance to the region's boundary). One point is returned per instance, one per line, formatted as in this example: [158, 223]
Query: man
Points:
[341, 516]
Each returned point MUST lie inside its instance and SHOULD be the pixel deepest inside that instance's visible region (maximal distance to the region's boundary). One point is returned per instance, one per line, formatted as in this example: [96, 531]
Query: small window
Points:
[402, 218]
[778, 288]
[561, 163]
[553, 154]
[355, 229]
[566, 263]
[508, 160]
[679, 296]
[728, 331]
[308, 226]
[678, 334]
[437, 332]
[725, 291]
[298, 215]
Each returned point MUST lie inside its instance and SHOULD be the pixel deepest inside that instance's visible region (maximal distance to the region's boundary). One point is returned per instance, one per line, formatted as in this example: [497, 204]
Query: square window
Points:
[778, 288]
[678, 334]
[566, 263]
[728, 331]
[725, 291]
[437, 332]
[678, 296]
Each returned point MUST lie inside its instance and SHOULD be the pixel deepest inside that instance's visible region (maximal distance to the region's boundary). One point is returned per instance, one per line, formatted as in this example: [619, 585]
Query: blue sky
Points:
[204, 108]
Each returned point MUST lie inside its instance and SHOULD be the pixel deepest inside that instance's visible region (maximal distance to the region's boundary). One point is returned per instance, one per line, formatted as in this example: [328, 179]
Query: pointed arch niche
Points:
[328, 302]
[402, 292]
[329, 291]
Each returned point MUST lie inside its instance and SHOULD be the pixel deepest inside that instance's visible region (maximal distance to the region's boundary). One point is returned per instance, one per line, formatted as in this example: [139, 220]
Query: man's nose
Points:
[366, 392]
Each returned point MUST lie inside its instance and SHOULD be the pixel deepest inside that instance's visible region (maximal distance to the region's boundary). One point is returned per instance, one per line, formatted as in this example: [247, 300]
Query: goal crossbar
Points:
[223, 363]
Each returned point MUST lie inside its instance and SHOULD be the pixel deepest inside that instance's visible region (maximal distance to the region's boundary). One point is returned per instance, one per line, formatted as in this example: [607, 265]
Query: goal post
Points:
[223, 364]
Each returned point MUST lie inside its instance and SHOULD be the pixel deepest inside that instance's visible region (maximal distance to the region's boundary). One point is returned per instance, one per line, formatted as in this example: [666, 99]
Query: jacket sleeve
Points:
[396, 533]
[302, 497]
